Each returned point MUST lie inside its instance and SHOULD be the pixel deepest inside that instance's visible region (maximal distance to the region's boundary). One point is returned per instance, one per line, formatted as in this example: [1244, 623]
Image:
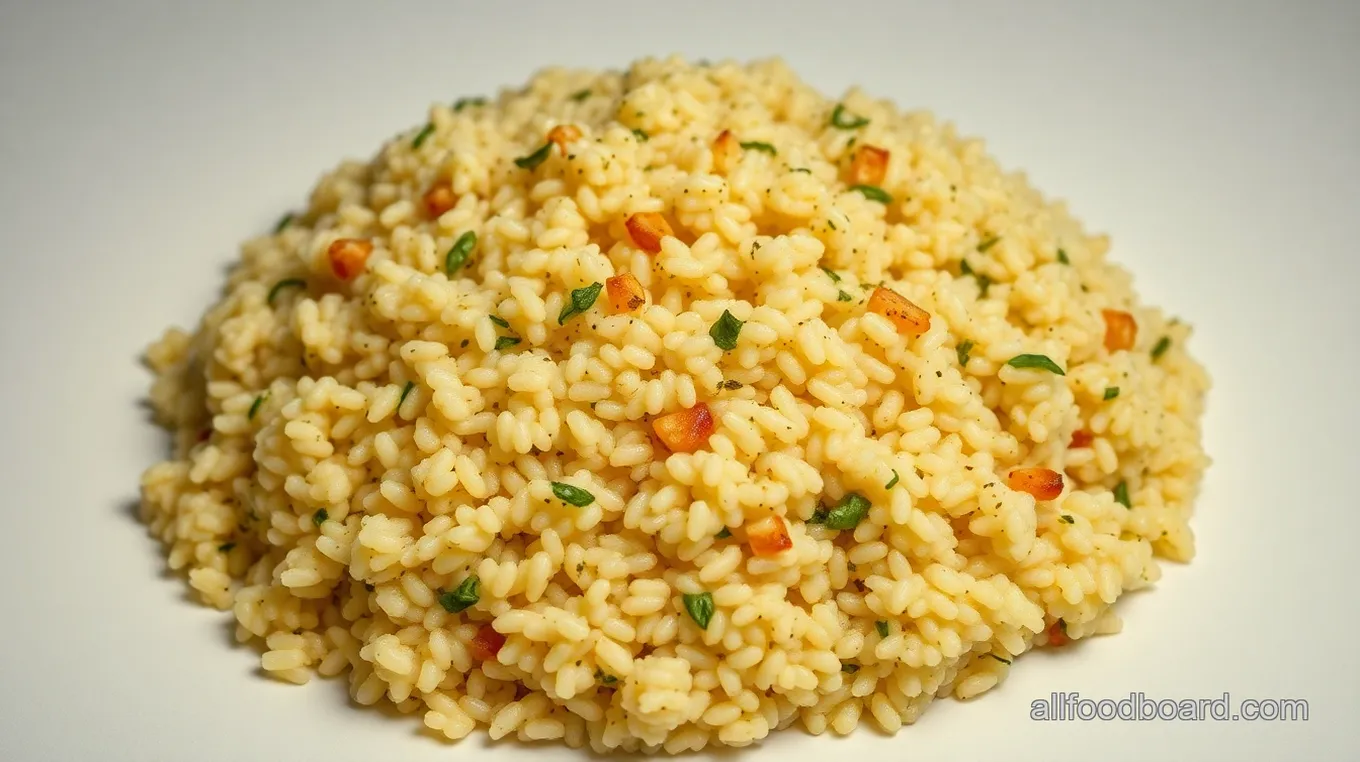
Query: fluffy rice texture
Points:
[350, 453]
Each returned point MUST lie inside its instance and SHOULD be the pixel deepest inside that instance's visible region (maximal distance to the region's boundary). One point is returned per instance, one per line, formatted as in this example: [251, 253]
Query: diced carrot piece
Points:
[347, 256]
[647, 229]
[726, 151]
[486, 643]
[1042, 483]
[685, 430]
[769, 536]
[563, 134]
[439, 199]
[869, 166]
[909, 319]
[1120, 330]
[1082, 438]
[625, 293]
[1057, 634]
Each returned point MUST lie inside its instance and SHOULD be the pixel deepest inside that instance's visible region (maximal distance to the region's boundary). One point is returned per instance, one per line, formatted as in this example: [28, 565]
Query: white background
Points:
[1217, 143]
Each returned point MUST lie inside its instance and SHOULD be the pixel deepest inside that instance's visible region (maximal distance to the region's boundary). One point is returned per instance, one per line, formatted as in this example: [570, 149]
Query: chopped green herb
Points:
[1110, 393]
[882, 628]
[582, 299]
[423, 135]
[463, 103]
[724, 534]
[1162, 345]
[804, 170]
[640, 135]
[843, 297]
[731, 384]
[459, 252]
[819, 515]
[966, 269]
[505, 342]
[320, 516]
[893, 481]
[463, 597]
[873, 193]
[700, 608]
[848, 512]
[255, 406]
[831, 224]
[844, 120]
[226, 547]
[605, 679]
[726, 330]
[580, 95]
[1035, 361]
[1067, 519]
[1121, 494]
[832, 274]
[962, 350]
[849, 669]
[535, 158]
[405, 390]
[283, 284]
[1001, 659]
[500, 321]
[989, 243]
[283, 222]
[1062, 257]
[573, 495]
[756, 145]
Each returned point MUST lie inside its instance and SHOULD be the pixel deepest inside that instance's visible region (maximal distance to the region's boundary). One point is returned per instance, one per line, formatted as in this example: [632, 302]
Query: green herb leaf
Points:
[535, 158]
[463, 103]
[423, 135]
[1035, 361]
[1162, 345]
[605, 679]
[320, 516]
[1062, 257]
[962, 350]
[463, 597]
[284, 284]
[724, 534]
[844, 120]
[804, 170]
[283, 222]
[849, 669]
[819, 515]
[756, 145]
[573, 495]
[582, 299]
[405, 390]
[726, 330]
[873, 193]
[848, 512]
[641, 136]
[226, 547]
[1067, 519]
[500, 321]
[965, 269]
[255, 406]
[459, 252]
[580, 95]
[1121, 494]
[1110, 393]
[989, 243]
[843, 297]
[832, 274]
[893, 481]
[882, 628]
[700, 608]
[1001, 659]
[505, 342]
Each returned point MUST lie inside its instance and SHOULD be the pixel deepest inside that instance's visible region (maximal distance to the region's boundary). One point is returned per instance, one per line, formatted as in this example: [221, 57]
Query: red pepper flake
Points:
[1042, 483]
[486, 643]
[347, 256]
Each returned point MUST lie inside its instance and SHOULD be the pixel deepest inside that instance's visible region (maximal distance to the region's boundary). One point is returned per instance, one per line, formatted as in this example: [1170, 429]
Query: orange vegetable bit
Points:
[685, 430]
[1057, 634]
[439, 199]
[1082, 438]
[1042, 483]
[347, 256]
[869, 166]
[1120, 330]
[647, 229]
[726, 151]
[769, 536]
[909, 319]
[486, 643]
[625, 293]
[564, 134]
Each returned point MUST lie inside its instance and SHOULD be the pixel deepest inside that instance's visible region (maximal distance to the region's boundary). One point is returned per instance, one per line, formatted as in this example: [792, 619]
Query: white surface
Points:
[1215, 142]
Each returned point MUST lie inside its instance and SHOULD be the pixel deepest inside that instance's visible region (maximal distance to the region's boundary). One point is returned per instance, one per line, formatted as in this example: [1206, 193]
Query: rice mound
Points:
[350, 454]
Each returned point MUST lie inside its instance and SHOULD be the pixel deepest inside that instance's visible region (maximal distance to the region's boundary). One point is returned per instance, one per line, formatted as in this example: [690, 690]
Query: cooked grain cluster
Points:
[666, 408]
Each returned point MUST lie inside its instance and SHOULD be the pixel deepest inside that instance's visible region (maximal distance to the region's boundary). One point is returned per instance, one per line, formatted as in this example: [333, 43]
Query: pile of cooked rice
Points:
[665, 408]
